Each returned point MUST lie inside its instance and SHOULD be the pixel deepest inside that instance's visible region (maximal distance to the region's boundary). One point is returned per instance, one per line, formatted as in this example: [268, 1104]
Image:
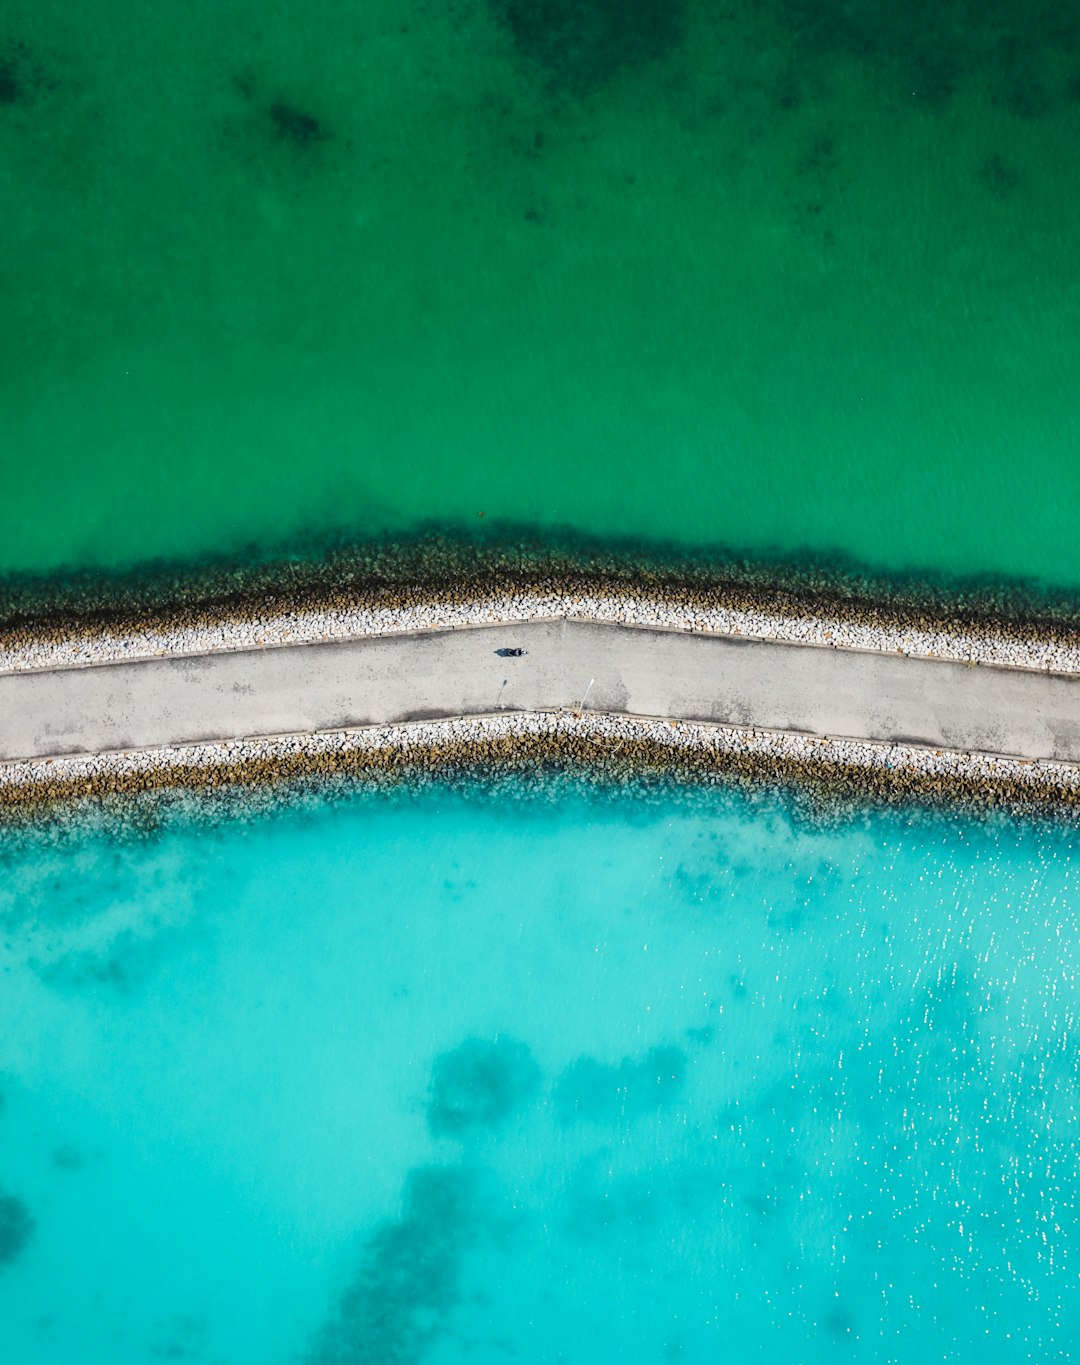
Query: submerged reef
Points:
[479, 1085]
[16, 1228]
[600, 1093]
[295, 126]
[408, 1281]
[580, 45]
[22, 77]
[929, 47]
[12, 85]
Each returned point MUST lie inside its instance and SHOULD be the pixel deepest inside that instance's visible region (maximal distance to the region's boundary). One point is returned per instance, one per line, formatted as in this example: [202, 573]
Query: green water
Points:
[778, 275]
[440, 1082]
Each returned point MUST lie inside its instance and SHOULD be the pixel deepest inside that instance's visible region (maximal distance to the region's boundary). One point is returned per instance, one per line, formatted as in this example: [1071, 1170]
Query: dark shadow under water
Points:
[478, 560]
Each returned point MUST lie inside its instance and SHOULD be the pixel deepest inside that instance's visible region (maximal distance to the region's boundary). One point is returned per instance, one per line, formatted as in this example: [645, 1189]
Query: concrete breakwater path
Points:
[668, 674]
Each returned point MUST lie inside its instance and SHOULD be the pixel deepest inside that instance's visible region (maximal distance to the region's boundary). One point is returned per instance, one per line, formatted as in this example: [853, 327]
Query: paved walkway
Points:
[758, 684]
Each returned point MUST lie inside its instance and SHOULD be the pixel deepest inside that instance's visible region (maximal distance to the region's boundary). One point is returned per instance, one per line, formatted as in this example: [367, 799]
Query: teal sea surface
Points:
[778, 275]
[444, 1080]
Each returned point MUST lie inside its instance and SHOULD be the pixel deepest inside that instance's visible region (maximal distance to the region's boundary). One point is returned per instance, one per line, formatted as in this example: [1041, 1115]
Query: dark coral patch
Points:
[479, 1084]
[1018, 85]
[591, 1090]
[397, 1306]
[294, 126]
[16, 1227]
[68, 1158]
[999, 176]
[23, 78]
[581, 44]
[931, 46]
[10, 85]
[19, 76]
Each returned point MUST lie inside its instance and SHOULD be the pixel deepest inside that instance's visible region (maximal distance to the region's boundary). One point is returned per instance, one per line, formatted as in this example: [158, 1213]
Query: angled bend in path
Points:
[637, 671]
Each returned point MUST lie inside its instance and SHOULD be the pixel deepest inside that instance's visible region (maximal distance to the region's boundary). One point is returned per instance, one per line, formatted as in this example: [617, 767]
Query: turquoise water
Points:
[445, 1080]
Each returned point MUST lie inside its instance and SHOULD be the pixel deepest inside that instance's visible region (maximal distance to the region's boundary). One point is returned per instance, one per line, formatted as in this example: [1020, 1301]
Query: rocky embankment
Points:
[277, 621]
[835, 774]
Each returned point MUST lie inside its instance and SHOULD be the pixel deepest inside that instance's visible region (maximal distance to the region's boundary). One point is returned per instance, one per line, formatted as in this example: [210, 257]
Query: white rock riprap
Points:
[893, 769]
[289, 627]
